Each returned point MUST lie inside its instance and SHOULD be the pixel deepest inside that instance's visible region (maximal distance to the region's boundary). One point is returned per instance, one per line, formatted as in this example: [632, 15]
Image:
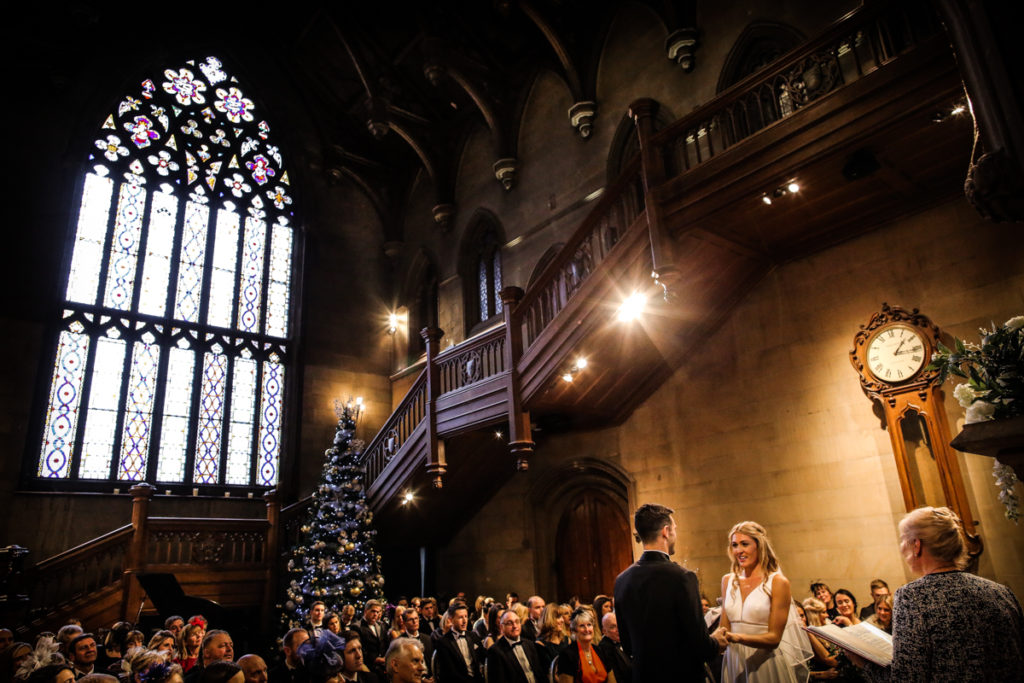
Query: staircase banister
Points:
[207, 524]
[476, 341]
[288, 512]
[100, 544]
[418, 385]
[608, 198]
[839, 29]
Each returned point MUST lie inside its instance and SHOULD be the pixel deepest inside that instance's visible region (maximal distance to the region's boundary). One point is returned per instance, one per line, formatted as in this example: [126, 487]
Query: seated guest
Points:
[397, 624]
[610, 649]
[822, 592]
[315, 622]
[253, 668]
[480, 625]
[11, 659]
[512, 659]
[82, 654]
[45, 654]
[824, 662]
[174, 624]
[554, 635]
[373, 635]
[602, 605]
[290, 670]
[6, 638]
[189, 641]
[494, 624]
[882, 615]
[65, 634]
[348, 615]
[580, 662]
[355, 670]
[949, 625]
[458, 651]
[222, 671]
[535, 610]
[140, 661]
[135, 638]
[51, 673]
[429, 619]
[162, 641]
[846, 605]
[404, 661]
[216, 647]
[878, 589]
[411, 629]
[332, 622]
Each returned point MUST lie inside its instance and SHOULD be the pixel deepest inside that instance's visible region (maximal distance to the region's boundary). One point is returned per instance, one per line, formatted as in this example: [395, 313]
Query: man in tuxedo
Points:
[531, 629]
[354, 670]
[610, 650]
[254, 668]
[404, 661]
[429, 621]
[411, 624]
[658, 608]
[373, 635]
[513, 659]
[459, 650]
[315, 626]
[290, 671]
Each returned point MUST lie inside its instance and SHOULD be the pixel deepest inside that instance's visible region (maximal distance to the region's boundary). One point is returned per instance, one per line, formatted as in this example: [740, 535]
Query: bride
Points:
[766, 644]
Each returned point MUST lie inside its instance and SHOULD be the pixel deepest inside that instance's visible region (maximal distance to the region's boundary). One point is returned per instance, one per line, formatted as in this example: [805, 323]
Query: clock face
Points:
[896, 353]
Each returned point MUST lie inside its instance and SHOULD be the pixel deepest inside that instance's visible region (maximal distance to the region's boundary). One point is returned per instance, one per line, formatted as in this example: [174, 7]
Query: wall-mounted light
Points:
[632, 307]
[407, 498]
[791, 187]
[392, 323]
[953, 112]
[578, 365]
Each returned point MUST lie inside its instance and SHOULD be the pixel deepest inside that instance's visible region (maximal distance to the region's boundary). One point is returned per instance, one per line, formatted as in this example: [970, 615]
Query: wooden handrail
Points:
[478, 358]
[80, 553]
[396, 430]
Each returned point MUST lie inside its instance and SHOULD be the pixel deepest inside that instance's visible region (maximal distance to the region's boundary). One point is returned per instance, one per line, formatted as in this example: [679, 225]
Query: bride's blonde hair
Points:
[766, 559]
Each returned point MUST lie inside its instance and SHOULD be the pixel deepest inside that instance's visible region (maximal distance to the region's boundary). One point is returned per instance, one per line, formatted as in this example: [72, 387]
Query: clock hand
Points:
[897, 351]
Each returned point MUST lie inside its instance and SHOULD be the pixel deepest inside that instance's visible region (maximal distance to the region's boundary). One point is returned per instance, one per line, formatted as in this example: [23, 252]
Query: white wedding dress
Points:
[742, 664]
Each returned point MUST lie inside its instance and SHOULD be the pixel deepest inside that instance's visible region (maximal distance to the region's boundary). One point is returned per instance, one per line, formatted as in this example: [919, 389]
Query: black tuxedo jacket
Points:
[282, 674]
[529, 630]
[657, 603]
[428, 648]
[503, 666]
[614, 658]
[450, 664]
[373, 646]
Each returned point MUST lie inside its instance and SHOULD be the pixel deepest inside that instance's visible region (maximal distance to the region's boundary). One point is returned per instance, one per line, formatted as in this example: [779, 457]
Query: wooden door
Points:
[593, 545]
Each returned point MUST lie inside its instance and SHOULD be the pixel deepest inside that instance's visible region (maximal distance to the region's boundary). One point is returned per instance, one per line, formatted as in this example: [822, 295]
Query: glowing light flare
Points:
[581, 363]
[793, 187]
[633, 307]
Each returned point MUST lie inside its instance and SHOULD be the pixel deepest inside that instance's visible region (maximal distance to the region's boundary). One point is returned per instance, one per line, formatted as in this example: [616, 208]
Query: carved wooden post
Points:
[652, 173]
[135, 562]
[271, 555]
[520, 441]
[436, 464]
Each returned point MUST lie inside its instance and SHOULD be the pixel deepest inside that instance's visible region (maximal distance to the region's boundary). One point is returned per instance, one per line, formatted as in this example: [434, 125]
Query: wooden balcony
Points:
[850, 117]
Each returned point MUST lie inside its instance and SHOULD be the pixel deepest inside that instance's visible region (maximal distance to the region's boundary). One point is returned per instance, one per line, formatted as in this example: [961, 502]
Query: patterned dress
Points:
[957, 628]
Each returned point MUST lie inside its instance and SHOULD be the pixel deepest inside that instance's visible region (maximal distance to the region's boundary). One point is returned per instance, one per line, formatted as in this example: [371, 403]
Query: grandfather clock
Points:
[891, 354]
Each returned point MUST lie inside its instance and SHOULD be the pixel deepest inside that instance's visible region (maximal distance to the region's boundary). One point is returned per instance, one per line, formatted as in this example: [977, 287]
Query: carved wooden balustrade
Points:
[84, 570]
[860, 43]
[176, 542]
[396, 431]
[584, 252]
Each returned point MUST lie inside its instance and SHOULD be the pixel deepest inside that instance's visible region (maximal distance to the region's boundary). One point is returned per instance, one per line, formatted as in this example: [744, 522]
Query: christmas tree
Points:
[335, 560]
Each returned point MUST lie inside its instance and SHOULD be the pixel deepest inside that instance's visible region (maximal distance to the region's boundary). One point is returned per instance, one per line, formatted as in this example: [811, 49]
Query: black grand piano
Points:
[168, 597]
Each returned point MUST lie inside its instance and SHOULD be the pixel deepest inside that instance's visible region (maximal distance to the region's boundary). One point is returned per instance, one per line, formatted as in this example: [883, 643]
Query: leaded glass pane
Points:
[177, 407]
[280, 275]
[211, 415]
[270, 423]
[222, 279]
[156, 268]
[191, 262]
[124, 250]
[104, 400]
[485, 310]
[243, 408]
[250, 283]
[497, 281]
[138, 419]
[62, 409]
[84, 279]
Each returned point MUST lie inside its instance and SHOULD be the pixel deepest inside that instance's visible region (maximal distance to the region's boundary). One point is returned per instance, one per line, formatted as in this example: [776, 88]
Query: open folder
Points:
[870, 642]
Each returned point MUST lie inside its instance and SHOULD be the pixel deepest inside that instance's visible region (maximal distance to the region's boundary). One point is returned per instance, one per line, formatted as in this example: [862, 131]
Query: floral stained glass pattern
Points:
[163, 276]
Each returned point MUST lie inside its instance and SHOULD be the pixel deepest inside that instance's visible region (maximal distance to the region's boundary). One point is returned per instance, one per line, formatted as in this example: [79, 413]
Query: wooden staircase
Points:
[848, 116]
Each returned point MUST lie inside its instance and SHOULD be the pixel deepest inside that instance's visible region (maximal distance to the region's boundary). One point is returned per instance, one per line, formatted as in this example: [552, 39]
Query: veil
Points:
[796, 646]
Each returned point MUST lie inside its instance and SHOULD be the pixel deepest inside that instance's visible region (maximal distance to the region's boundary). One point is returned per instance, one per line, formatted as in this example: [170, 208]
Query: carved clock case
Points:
[891, 354]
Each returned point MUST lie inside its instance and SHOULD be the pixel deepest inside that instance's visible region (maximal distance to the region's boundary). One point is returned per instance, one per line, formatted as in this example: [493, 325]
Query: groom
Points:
[658, 607]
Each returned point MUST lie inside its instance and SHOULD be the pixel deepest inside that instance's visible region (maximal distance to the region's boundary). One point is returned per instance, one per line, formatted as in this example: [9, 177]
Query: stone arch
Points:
[481, 248]
[760, 43]
[556, 496]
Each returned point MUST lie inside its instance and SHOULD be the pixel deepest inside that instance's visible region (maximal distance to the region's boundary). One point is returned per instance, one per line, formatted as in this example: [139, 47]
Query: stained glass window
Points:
[488, 267]
[170, 355]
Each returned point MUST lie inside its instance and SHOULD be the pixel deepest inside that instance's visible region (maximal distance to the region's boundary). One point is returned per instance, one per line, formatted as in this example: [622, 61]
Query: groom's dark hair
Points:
[649, 520]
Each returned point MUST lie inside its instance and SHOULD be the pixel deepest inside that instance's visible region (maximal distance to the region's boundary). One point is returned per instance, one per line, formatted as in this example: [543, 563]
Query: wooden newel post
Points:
[135, 562]
[271, 556]
[436, 463]
[652, 174]
[520, 439]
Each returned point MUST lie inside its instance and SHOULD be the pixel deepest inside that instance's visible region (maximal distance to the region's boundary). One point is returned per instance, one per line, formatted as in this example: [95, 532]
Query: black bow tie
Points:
[518, 643]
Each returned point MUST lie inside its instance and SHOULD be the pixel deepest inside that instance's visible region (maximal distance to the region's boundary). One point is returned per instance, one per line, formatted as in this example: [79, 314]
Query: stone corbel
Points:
[505, 171]
[681, 47]
[443, 214]
[581, 116]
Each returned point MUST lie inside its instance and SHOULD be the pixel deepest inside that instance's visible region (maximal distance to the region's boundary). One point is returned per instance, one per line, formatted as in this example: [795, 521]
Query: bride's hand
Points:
[732, 637]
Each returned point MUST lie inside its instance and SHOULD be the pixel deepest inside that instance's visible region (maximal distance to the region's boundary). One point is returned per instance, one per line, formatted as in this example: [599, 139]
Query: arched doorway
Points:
[592, 545]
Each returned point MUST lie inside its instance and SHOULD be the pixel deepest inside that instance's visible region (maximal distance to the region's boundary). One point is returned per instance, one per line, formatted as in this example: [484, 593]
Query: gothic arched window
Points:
[481, 272]
[171, 352]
